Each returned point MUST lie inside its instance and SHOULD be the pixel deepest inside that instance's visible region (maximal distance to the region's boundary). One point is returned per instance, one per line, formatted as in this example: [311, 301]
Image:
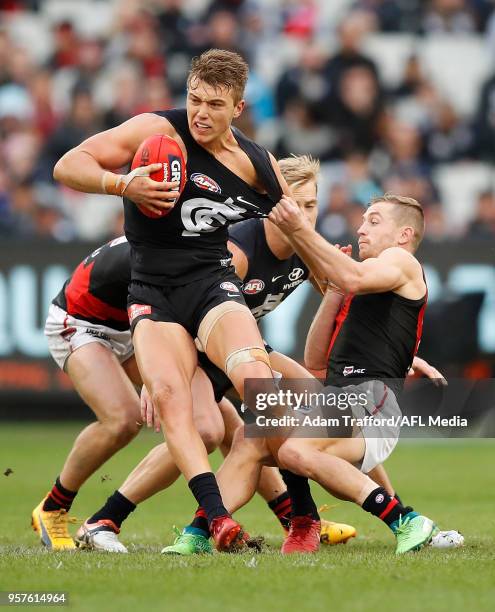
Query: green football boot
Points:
[188, 544]
[413, 533]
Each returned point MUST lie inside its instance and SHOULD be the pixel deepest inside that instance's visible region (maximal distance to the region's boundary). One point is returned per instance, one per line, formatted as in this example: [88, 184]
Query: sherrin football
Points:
[161, 149]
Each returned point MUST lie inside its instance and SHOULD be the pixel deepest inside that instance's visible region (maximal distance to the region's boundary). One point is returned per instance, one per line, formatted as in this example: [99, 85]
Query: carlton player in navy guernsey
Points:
[88, 336]
[181, 284]
[88, 322]
[375, 338]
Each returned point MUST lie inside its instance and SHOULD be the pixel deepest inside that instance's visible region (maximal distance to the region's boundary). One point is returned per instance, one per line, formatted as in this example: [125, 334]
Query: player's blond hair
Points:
[407, 212]
[299, 169]
[220, 68]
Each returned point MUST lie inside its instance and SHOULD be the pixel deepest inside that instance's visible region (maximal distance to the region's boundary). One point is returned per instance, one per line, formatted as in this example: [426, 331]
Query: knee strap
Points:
[248, 354]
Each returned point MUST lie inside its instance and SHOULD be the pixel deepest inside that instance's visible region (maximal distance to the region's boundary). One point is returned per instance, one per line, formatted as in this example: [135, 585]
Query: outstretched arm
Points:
[374, 275]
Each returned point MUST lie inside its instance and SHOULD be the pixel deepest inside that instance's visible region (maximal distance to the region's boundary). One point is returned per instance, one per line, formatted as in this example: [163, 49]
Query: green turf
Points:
[452, 482]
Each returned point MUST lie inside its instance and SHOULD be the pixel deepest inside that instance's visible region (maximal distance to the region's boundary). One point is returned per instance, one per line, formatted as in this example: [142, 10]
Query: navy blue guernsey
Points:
[376, 336]
[191, 241]
[268, 280]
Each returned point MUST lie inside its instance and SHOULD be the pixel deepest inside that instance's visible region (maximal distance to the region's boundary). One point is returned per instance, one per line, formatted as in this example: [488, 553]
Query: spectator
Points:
[260, 100]
[50, 222]
[66, 43]
[45, 118]
[436, 226]
[144, 45]
[21, 217]
[351, 33]
[449, 16]
[332, 221]
[87, 73]
[308, 81]
[16, 109]
[299, 18]
[362, 185]
[419, 108]
[482, 227]
[223, 32]
[389, 14]
[484, 122]
[448, 138]
[82, 121]
[300, 133]
[176, 28]
[156, 95]
[358, 110]
[21, 152]
[126, 94]
[20, 66]
[412, 79]
[406, 172]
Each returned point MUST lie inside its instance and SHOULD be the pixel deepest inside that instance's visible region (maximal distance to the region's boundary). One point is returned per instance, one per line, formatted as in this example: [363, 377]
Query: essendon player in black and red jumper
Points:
[181, 284]
[88, 336]
[376, 336]
[97, 290]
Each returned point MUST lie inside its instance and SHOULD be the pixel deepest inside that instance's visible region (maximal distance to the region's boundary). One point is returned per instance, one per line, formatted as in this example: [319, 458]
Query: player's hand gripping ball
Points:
[161, 149]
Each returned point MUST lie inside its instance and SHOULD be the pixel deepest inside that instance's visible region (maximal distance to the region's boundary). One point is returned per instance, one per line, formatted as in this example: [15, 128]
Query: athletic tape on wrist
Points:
[121, 181]
[110, 183]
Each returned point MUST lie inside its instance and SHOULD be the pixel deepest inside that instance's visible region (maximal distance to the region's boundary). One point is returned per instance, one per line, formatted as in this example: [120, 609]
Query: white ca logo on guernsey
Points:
[201, 215]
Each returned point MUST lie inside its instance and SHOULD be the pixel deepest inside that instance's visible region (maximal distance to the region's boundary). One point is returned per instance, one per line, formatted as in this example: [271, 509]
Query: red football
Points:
[161, 149]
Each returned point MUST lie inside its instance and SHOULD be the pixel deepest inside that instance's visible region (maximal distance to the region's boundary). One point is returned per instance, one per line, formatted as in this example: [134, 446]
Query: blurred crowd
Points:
[318, 85]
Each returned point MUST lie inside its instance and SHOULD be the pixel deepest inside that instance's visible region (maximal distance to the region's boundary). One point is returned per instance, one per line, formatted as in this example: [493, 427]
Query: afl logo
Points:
[205, 182]
[296, 274]
[253, 286]
[228, 286]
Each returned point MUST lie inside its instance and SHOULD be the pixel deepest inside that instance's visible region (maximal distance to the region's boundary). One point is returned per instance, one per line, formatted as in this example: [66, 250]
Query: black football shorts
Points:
[183, 304]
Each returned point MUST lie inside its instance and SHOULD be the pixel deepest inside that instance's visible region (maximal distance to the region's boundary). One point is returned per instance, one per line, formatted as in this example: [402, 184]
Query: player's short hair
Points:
[299, 169]
[406, 211]
[220, 68]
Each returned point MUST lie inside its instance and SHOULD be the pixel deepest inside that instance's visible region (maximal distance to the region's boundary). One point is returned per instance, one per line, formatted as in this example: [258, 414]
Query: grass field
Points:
[453, 482]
